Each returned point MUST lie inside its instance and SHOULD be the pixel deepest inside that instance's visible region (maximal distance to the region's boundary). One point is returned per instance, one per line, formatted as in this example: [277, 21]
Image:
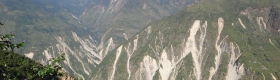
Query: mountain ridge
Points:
[51, 27]
[182, 46]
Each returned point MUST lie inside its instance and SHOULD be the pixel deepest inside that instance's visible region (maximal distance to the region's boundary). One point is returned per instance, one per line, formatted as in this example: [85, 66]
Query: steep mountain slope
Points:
[124, 18]
[49, 30]
[52, 27]
[214, 40]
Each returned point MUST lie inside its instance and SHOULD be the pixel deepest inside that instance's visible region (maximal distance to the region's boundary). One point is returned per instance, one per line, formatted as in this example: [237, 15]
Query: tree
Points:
[6, 41]
[52, 70]
[15, 66]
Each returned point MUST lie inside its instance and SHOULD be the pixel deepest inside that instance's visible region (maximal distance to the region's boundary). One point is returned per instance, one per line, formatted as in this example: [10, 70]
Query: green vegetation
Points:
[39, 24]
[259, 46]
[15, 66]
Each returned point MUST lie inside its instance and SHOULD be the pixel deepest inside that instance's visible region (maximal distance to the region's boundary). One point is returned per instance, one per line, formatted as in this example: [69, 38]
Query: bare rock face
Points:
[143, 40]
[85, 30]
[228, 41]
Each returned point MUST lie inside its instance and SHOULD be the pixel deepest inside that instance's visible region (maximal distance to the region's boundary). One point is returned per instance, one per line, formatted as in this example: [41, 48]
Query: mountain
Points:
[212, 39]
[52, 27]
[41, 25]
[121, 19]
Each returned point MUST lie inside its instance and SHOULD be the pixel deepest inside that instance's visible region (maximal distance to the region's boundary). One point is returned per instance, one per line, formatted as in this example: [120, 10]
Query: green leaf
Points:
[21, 44]
[14, 45]
[40, 73]
[8, 36]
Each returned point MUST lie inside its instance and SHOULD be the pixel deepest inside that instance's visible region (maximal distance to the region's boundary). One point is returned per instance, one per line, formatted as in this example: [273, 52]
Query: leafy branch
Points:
[52, 69]
[15, 66]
